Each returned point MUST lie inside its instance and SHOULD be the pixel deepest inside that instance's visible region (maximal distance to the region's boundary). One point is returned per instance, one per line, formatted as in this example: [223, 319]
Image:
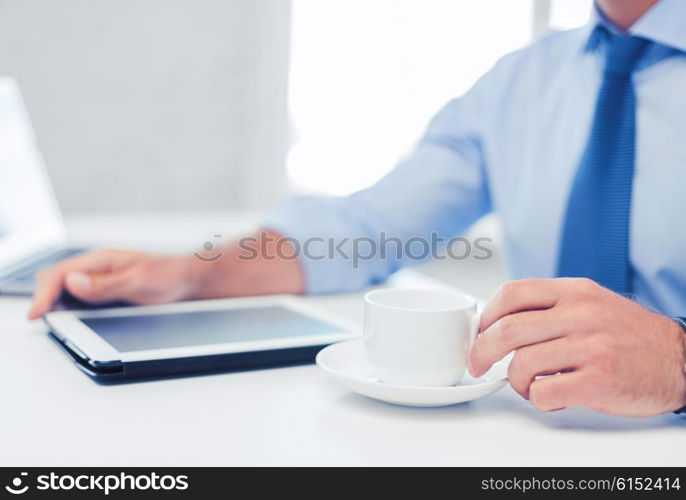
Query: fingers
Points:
[100, 287]
[547, 358]
[539, 319]
[559, 391]
[51, 282]
[525, 295]
[513, 332]
[49, 289]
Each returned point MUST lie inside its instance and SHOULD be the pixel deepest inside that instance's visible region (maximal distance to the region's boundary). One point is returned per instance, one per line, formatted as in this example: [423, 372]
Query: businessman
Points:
[578, 143]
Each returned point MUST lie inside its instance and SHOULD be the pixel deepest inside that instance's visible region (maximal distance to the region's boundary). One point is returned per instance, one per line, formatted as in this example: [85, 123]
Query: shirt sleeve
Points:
[347, 243]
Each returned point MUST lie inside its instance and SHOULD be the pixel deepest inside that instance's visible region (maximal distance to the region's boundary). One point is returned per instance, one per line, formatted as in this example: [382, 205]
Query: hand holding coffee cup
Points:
[419, 337]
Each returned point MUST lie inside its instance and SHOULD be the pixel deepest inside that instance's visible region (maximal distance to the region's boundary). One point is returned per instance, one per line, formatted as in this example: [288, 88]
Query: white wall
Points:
[154, 104]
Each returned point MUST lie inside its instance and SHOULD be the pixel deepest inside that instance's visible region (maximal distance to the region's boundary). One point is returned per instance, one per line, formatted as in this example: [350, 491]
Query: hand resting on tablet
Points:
[141, 278]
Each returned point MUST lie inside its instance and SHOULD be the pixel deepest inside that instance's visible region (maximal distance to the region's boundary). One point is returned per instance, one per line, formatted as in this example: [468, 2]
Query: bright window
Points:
[367, 75]
[568, 14]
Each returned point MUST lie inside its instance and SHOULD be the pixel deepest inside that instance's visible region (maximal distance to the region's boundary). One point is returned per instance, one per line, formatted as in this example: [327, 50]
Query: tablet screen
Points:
[163, 331]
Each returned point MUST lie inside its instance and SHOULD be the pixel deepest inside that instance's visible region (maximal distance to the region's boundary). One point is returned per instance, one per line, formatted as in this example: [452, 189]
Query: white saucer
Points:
[347, 364]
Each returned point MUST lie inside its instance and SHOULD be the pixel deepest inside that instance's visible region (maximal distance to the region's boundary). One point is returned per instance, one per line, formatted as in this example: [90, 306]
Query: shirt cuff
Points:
[682, 324]
[330, 245]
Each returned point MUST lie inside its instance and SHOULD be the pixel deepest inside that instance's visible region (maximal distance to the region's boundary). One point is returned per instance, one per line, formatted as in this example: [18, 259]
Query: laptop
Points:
[32, 233]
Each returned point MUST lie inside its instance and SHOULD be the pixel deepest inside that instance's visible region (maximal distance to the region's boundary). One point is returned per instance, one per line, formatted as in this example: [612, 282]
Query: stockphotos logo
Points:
[97, 483]
[17, 486]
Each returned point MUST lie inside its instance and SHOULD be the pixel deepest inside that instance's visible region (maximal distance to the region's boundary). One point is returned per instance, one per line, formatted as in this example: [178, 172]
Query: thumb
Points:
[97, 287]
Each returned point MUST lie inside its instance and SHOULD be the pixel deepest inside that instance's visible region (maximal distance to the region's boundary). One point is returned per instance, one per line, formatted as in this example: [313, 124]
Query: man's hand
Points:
[109, 275]
[263, 264]
[577, 343]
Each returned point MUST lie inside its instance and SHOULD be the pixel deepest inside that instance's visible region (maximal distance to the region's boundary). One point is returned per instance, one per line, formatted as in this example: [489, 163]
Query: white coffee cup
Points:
[419, 337]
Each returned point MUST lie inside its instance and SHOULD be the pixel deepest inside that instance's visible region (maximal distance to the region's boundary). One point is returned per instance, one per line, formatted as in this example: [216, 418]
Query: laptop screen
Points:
[29, 216]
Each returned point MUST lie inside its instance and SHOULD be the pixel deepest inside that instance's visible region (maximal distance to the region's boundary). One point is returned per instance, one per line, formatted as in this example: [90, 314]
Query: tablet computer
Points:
[139, 342]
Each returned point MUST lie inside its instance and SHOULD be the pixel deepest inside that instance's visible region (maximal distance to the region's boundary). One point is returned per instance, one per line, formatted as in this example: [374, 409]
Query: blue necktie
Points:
[595, 237]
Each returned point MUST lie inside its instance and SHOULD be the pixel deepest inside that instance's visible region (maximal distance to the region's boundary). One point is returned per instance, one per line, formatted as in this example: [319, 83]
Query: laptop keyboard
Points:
[27, 273]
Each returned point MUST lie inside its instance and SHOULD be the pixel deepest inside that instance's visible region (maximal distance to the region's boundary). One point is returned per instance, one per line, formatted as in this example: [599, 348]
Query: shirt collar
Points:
[663, 23]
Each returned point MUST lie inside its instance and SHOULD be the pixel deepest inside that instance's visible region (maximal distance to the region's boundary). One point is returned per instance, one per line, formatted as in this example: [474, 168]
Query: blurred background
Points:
[215, 105]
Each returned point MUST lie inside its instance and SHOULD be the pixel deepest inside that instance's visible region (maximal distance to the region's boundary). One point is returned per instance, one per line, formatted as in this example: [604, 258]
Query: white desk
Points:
[53, 415]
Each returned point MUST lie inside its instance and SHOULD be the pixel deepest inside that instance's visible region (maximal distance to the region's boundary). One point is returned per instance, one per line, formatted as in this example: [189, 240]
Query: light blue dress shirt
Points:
[512, 145]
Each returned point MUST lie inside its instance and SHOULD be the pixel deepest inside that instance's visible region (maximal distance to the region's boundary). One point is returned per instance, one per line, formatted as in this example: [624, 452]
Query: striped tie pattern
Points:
[595, 235]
